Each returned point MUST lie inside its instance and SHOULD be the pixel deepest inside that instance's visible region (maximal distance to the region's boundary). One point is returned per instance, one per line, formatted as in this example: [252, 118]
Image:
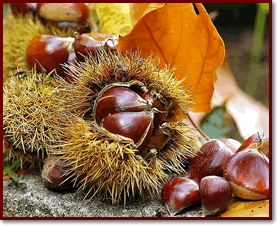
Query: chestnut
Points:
[210, 160]
[23, 8]
[256, 141]
[248, 174]
[137, 126]
[180, 193]
[161, 114]
[160, 137]
[54, 174]
[69, 12]
[48, 52]
[216, 194]
[122, 114]
[119, 99]
[91, 43]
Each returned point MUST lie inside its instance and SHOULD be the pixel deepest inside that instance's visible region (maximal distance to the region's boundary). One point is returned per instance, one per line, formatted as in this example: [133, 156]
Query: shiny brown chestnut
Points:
[248, 174]
[124, 115]
[48, 52]
[23, 8]
[137, 126]
[91, 43]
[216, 194]
[180, 193]
[210, 160]
[54, 174]
[119, 99]
[256, 141]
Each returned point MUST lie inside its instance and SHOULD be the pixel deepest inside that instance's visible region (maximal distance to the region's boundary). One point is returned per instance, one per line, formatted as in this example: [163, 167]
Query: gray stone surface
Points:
[30, 198]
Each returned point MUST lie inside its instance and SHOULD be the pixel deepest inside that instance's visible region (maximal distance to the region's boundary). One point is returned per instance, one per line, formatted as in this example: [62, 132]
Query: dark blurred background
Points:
[235, 23]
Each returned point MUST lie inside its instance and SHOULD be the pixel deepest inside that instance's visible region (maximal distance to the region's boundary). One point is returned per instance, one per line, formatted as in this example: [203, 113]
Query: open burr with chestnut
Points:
[130, 133]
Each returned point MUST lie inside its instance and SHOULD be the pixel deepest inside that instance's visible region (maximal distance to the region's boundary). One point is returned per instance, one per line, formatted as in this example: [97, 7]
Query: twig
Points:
[197, 127]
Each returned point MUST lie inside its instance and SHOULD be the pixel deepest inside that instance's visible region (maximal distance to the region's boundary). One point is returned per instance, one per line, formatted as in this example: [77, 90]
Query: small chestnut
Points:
[119, 99]
[54, 174]
[180, 193]
[23, 8]
[256, 141]
[69, 12]
[91, 43]
[210, 160]
[160, 116]
[248, 174]
[48, 52]
[215, 195]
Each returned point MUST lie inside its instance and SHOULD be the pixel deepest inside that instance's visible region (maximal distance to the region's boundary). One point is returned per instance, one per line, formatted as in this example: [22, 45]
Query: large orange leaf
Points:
[184, 40]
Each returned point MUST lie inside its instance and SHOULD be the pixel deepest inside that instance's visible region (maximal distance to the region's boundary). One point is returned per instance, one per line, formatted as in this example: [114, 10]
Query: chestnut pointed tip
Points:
[172, 212]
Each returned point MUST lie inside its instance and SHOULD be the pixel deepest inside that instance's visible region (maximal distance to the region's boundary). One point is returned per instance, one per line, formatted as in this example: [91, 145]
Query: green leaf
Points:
[10, 167]
[9, 171]
[6, 170]
[14, 176]
[213, 125]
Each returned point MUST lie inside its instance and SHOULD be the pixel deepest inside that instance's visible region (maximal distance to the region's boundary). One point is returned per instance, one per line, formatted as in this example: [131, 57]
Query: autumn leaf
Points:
[242, 208]
[137, 10]
[249, 115]
[184, 40]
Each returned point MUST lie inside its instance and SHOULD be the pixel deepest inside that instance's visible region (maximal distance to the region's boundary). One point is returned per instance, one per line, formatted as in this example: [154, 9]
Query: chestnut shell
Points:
[216, 194]
[210, 160]
[180, 193]
[248, 169]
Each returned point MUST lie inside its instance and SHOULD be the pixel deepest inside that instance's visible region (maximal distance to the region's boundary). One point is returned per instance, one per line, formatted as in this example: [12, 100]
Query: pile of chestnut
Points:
[222, 168]
[47, 52]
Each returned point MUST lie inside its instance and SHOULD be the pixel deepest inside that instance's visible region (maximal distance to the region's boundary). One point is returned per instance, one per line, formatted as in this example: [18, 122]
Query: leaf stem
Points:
[197, 127]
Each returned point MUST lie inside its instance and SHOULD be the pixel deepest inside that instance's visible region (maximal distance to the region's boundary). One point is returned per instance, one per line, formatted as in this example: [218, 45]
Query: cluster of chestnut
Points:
[47, 52]
[61, 15]
[219, 171]
[131, 112]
